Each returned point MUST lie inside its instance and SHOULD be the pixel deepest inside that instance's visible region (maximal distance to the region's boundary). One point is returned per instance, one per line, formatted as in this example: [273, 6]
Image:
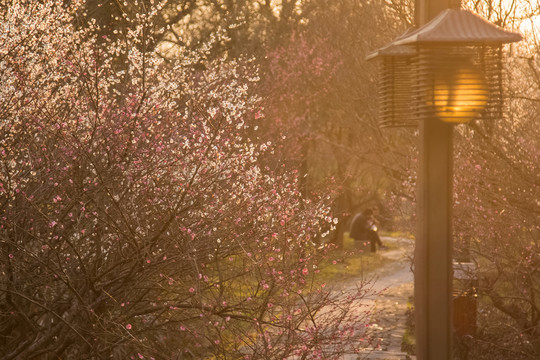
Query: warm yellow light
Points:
[459, 94]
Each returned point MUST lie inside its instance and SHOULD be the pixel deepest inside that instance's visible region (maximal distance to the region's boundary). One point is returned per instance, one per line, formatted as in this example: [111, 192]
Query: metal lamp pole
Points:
[433, 252]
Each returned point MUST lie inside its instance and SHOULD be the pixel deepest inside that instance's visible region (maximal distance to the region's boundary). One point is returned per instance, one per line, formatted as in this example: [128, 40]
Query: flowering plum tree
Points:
[136, 218]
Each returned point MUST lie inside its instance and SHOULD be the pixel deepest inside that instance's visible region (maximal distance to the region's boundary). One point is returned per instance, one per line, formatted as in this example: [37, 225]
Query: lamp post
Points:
[447, 71]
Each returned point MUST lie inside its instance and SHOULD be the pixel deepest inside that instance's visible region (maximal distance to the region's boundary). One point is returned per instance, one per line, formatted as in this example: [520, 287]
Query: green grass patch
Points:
[354, 259]
[397, 234]
[408, 342]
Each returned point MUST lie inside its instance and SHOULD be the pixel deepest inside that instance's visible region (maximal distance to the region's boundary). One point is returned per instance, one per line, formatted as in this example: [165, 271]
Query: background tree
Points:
[496, 209]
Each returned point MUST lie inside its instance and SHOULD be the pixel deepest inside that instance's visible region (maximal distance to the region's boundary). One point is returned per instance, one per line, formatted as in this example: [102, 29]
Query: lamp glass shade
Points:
[460, 93]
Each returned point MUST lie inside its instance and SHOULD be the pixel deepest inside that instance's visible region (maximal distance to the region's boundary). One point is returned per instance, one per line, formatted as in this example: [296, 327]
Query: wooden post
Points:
[433, 252]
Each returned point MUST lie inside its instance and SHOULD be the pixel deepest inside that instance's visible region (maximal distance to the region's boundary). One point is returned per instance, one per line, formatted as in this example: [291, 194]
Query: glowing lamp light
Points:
[459, 95]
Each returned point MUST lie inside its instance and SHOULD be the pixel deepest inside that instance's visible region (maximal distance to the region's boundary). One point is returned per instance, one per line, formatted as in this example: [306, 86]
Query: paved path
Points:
[395, 285]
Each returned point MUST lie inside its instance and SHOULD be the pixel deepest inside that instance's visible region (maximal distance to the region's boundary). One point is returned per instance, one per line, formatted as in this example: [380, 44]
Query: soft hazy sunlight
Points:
[516, 15]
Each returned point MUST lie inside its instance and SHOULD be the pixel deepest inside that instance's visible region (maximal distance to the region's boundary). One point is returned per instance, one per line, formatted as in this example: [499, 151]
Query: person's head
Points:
[368, 212]
[375, 210]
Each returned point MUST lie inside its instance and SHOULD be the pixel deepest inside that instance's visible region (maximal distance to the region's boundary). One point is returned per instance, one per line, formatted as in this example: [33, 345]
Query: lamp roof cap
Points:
[394, 50]
[458, 26]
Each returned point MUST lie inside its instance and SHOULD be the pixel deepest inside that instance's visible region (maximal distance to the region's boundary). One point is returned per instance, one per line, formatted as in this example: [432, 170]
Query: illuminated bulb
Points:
[460, 94]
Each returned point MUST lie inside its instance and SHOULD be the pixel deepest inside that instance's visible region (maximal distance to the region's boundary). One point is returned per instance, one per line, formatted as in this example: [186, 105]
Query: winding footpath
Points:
[394, 285]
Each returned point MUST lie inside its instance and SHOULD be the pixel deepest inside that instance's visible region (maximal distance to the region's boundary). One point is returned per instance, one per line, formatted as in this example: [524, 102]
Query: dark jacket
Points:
[359, 227]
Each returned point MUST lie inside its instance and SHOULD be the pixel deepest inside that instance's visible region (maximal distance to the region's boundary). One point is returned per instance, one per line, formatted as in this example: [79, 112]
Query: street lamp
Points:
[450, 69]
[446, 72]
